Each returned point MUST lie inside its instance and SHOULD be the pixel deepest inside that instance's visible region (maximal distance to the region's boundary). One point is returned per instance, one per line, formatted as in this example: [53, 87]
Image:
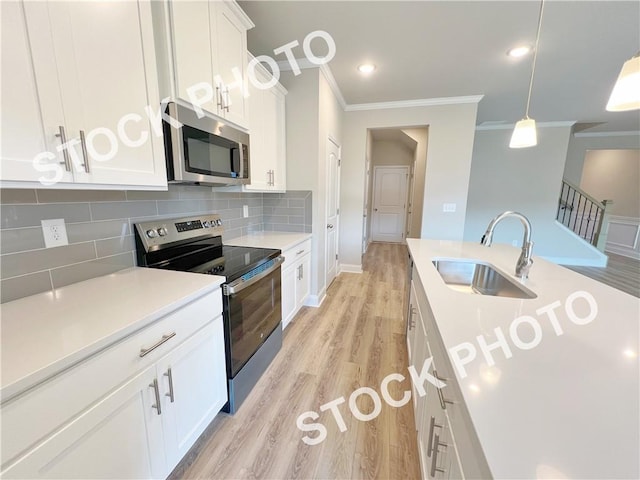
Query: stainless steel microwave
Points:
[204, 151]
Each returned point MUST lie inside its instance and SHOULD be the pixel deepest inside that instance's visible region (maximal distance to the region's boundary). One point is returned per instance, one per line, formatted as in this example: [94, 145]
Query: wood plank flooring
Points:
[353, 340]
[621, 272]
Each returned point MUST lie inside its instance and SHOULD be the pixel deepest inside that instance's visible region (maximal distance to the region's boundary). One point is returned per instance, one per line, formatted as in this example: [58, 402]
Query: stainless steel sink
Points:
[471, 276]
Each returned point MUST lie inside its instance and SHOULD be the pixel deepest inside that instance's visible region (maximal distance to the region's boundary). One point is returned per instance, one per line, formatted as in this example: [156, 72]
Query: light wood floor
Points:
[621, 272]
[353, 340]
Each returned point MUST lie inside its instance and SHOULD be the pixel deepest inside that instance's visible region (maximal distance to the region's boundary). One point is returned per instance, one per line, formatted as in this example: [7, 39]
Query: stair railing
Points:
[584, 214]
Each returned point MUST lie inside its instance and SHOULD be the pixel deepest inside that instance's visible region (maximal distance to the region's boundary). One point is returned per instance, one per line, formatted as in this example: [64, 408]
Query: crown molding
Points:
[510, 126]
[328, 75]
[607, 134]
[242, 16]
[420, 102]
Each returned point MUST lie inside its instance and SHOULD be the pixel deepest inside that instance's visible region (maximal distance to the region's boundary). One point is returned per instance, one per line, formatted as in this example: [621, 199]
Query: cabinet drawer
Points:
[34, 414]
[296, 253]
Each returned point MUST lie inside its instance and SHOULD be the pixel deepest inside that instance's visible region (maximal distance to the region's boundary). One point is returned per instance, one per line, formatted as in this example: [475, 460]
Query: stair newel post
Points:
[600, 238]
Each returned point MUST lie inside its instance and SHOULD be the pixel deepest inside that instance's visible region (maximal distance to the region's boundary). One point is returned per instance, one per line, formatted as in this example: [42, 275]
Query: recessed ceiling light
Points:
[366, 68]
[519, 51]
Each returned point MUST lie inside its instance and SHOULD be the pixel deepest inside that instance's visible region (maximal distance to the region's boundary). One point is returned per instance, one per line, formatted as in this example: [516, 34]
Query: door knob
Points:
[330, 226]
[375, 209]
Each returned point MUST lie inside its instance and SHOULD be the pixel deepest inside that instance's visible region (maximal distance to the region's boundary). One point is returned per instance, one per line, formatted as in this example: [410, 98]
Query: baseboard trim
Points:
[348, 268]
[625, 252]
[316, 300]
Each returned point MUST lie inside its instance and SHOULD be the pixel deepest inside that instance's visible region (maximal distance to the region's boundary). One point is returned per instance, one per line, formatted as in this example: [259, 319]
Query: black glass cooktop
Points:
[211, 257]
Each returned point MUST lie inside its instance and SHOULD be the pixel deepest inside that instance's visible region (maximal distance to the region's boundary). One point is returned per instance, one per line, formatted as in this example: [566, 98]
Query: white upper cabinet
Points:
[95, 76]
[202, 55]
[268, 143]
[23, 132]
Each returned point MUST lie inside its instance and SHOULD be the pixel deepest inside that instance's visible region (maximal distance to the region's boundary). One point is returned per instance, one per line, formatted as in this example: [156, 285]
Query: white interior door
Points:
[389, 203]
[333, 209]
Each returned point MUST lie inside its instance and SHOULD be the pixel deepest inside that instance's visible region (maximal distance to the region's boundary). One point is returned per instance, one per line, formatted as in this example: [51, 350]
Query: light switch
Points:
[449, 207]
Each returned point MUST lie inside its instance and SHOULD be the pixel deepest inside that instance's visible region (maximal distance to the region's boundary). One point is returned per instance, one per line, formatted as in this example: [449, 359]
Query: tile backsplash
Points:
[100, 228]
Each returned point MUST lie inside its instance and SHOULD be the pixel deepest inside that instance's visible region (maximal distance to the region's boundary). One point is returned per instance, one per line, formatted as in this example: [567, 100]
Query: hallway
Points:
[353, 340]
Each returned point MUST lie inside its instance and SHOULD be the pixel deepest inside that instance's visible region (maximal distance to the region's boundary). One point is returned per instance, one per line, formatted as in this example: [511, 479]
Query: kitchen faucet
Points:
[524, 260]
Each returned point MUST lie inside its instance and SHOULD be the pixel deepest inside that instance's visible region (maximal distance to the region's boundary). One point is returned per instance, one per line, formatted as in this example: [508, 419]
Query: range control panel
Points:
[162, 232]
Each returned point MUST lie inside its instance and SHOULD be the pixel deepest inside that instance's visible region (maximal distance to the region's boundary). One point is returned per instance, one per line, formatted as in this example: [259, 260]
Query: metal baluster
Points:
[577, 210]
[584, 208]
[560, 202]
[588, 223]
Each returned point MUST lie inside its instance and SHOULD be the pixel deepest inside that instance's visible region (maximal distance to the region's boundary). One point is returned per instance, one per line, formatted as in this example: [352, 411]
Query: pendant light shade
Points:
[524, 134]
[626, 92]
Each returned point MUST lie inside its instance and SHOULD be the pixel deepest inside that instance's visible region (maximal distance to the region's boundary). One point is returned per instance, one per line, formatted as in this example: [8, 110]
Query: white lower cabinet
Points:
[142, 427]
[437, 448]
[193, 389]
[296, 280]
[119, 437]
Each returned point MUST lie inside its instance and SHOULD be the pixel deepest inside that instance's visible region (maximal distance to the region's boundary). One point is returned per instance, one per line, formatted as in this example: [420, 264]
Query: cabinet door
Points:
[412, 323]
[192, 54]
[279, 135]
[106, 65]
[193, 387]
[24, 134]
[288, 294]
[230, 51]
[119, 437]
[260, 166]
[303, 281]
[270, 133]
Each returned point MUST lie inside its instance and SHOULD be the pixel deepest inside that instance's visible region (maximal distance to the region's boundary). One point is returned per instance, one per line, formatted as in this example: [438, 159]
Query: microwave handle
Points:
[240, 284]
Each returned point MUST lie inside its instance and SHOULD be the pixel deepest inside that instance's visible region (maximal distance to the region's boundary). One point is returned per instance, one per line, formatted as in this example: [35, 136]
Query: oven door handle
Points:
[240, 284]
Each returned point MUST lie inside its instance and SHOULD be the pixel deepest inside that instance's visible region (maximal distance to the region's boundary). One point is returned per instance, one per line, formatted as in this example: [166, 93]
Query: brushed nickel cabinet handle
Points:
[432, 426]
[165, 338]
[170, 376]
[434, 458]
[219, 99]
[156, 390]
[299, 252]
[65, 153]
[85, 155]
[228, 102]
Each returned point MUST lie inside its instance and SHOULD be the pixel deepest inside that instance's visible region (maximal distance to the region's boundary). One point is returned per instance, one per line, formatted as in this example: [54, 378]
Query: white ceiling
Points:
[433, 49]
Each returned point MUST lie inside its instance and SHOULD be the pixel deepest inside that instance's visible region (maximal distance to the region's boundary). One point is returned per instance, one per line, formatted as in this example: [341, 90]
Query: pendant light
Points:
[626, 92]
[524, 134]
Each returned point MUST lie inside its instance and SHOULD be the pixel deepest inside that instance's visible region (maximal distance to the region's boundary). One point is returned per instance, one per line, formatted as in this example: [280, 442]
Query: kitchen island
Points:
[544, 387]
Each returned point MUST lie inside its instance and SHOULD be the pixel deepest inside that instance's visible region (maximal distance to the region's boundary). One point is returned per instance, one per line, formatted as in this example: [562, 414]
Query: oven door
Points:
[252, 310]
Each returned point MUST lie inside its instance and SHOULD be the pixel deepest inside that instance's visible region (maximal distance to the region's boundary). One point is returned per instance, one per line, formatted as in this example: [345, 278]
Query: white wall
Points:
[579, 145]
[421, 136]
[614, 175]
[386, 152]
[526, 180]
[451, 132]
[313, 114]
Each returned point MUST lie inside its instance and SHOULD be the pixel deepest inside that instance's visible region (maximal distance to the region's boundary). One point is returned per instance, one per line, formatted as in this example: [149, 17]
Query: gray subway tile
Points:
[17, 216]
[77, 196]
[215, 205]
[114, 246]
[19, 287]
[195, 192]
[226, 195]
[285, 227]
[36, 260]
[21, 239]
[308, 229]
[296, 202]
[296, 220]
[84, 232]
[275, 202]
[182, 206]
[267, 210]
[17, 195]
[297, 193]
[84, 271]
[251, 202]
[276, 218]
[114, 210]
[288, 211]
[151, 195]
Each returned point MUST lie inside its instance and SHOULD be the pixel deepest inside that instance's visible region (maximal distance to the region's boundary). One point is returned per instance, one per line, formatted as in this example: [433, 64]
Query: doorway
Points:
[333, 210]
[389, 206]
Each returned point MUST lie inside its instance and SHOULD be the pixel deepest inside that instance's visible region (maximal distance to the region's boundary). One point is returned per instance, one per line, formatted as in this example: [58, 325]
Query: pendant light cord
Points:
[535, 56]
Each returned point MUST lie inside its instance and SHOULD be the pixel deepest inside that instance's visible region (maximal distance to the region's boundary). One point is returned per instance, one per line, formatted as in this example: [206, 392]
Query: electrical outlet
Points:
[245, 211]
[55, 233]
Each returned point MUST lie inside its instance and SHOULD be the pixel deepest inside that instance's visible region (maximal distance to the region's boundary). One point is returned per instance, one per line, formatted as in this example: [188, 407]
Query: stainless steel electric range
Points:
[251, 291]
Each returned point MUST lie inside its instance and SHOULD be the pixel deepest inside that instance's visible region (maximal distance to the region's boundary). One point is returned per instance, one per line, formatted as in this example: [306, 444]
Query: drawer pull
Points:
[432, 426]
[300, 252]
[170, 376]
[434, 458]
[165, 338]
[156, 390]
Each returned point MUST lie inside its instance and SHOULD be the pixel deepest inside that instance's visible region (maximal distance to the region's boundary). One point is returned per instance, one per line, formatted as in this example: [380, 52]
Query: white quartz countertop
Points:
[280, 240]
[46, 333]
[566, 408]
